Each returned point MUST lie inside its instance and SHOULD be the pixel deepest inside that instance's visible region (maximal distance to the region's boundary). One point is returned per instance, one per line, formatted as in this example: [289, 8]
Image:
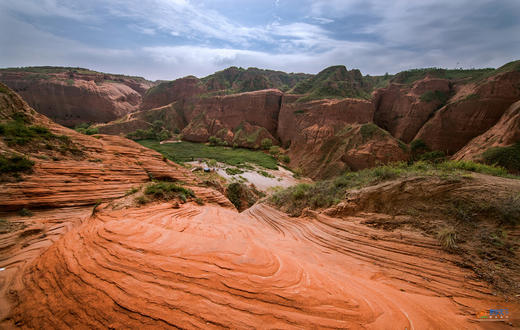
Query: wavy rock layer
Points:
[158, 267]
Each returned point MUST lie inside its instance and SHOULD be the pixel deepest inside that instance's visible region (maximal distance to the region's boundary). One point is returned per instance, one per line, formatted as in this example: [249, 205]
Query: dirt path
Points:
[209, 266]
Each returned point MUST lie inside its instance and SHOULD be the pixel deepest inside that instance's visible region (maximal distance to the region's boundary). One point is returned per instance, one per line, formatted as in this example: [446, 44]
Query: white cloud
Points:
[408, 34]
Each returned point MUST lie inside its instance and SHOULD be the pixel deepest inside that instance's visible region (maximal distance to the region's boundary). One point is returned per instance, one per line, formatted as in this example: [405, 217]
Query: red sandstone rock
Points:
[504, 133]
[169, 115]
[178, 90]
[472, 111]
[295, 116]
[400, 109]
[73, 98]
[259, 108]
[325, 151]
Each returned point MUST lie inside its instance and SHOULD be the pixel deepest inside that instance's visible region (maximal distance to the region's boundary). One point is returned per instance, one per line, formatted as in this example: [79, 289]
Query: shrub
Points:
[141, 200]
[266, 143]
[507, 157]
[438, 96]
[418, 145]
[92, 131]
[266, 174]
[163, 135]
[274, 150]
[473, 167]
[285, 159]
[212, 140]
[15, 164]
[132, 191]
[433, 156]
[168, 190]
[233, 193]
[199, 201]
[25, 212]
[233, 171]
[369, 130]
[141, 134]
[448, 238]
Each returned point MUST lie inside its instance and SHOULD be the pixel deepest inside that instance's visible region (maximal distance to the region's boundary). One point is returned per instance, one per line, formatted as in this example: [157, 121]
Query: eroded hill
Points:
[158, 257]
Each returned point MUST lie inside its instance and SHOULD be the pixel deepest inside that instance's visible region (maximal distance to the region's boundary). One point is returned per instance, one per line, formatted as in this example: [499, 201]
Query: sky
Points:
[168, 39]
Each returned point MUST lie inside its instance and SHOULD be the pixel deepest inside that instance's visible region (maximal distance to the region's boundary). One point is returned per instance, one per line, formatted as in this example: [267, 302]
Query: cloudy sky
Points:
[167, 39]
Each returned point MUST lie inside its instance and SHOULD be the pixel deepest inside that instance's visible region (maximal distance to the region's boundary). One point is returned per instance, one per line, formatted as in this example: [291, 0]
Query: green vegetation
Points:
[4, 89]
[285, 159]
[238, 193]
[19, 133]
[156, 132]
[274, 150]
[233, 171]
[15, 164]
[60, 69]
[468, 75]
[132, 191]
[334, 82]
[410, 76]
[215, 141]
[86, 129]
[266, 174]
[25, 212]
[237, 80]
[187, 151]
[266, 143]
[507, 157]
[233, 193]
[435, 96]
[370, 130]
[168, 190]
[326, 193]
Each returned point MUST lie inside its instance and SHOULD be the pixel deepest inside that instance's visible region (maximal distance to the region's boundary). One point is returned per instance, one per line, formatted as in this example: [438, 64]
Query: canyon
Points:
[98, 231]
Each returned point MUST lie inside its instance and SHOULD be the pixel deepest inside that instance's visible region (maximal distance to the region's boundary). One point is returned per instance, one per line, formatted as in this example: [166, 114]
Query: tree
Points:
[266, 143]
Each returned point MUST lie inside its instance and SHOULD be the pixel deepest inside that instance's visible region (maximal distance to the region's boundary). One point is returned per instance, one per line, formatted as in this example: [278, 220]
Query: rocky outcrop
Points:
[402, 110]
[504, 133]
[70, 97]
[328, 137]
[296, 116]
[259, 108]
[473, 110]
[181, 90]
[326, 151]
[99, 168]
[211, 267]
[170, 116]
[334, 82]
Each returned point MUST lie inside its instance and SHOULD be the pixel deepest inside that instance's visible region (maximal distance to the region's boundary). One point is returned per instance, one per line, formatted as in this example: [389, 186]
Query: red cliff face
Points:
[403, 110]
[473, 110]
[177, 90]
[325, 151]
[328, 137]
[504, 133]
[295, 116]
[72, 98]
[259, 108]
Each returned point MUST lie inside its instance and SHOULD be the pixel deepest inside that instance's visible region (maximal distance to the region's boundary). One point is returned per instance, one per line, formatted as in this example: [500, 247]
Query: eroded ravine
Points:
[209, 266]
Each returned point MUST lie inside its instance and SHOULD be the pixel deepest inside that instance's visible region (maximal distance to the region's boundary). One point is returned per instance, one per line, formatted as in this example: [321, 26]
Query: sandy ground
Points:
[282, 178]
